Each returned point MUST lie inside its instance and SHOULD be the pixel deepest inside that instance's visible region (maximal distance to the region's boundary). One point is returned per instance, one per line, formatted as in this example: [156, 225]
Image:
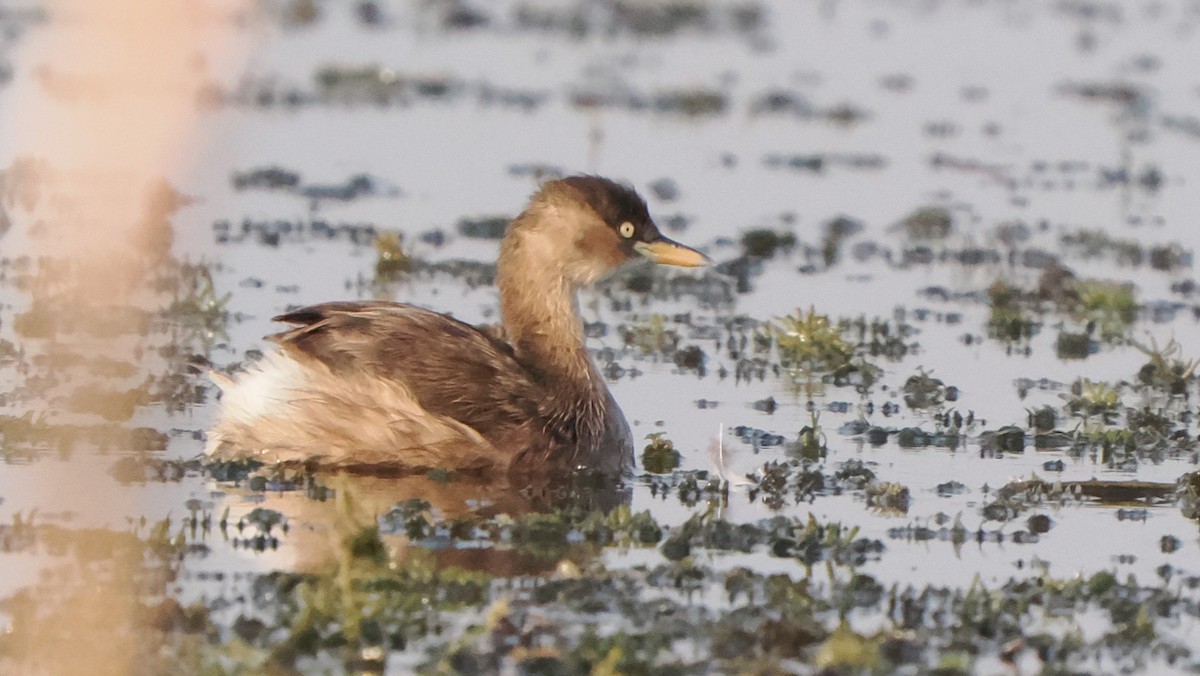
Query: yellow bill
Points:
[667, 252]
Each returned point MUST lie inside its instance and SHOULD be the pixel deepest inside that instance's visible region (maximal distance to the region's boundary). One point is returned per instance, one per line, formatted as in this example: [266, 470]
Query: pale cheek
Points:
[589, 271]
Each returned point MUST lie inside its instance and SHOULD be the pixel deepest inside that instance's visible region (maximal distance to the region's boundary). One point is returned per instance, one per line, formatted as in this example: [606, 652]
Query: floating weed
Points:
[1008, 321]
[691, 102]
[1109, 443]
[659, 456]
[776, 481]
[846, 649]
[811, 444]
[1074, 345]
[930, 222]
[411, 517]
[196, 303]
[813, 542]
[232, 471]
[876, 337]
[1007, 439]
[808, 345]
[888, 497]
[764, 243]
[391, 261]
[1042, 419]
[691, 487]
[854, 475]
[811, 343]
[1093, 399]
[1166, 370]
[1187, 489]
[1021, 494]
[367, 608]
[487, 227]
[651, 336]
[364, 605]
[1110, 306]
[1093, 243]
[264, 519]
[922, 391]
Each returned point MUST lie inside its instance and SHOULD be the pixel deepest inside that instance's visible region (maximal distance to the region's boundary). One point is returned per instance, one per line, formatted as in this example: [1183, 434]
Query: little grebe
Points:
[391, 386]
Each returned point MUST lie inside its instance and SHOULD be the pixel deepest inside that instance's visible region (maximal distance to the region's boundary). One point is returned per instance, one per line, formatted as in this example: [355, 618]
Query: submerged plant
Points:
[1188, 490]
[391, 260]
[1110, 306]
[811, 445]
[922, 391]
[1008, 321]
[651, 336]
[811, 343]
[196, 301]
[1090, 399]
[764, 243]
[929, 222]
[846, 649]
[888, 497]
[1166, 369]
[659, 456]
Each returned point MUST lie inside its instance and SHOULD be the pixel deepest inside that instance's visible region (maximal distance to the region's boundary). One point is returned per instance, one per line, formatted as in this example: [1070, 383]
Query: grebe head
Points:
[587, 226]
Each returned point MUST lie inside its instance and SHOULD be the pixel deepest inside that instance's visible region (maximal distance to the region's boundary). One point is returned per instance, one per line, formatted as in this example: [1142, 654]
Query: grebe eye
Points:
[627, 229]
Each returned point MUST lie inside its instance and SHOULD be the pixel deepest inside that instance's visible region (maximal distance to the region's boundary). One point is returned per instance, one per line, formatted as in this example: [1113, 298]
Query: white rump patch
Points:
[263, 390]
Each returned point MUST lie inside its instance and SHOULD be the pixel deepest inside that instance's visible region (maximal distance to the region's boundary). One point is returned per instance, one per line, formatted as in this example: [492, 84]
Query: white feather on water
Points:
[716, 457]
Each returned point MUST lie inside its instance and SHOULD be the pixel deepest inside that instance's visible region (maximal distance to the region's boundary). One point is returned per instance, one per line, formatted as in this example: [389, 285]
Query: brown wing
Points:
[451, 367]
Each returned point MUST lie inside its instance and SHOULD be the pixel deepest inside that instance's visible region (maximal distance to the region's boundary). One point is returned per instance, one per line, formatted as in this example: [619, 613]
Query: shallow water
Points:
[1027, 123]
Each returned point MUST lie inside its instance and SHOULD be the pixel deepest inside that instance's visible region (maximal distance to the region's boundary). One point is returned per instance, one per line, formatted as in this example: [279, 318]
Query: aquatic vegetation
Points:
[1188, 490]
[930, 222]
[691, 358]
[266, 178]
[811, 343]
[836, 232]
[659, 456]
[892, 340]
[922, 391]
[1074, 345]
[1043, 419]
[1007, 439]
[391, 261]
[812, 444]
[1167, 369]
[818, 163]
[1092, 243]
[1094, 399]
[1025, 493]
[358, 84]
[765, 243]
[1008, 321]
[846, 649]
[487, 227]
[888, 497]
[691, 102]
[1111, 306]
[194, 295]
[651, 336]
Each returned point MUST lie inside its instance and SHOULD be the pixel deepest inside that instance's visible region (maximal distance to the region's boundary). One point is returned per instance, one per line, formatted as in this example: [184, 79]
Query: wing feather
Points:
[453, 368]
